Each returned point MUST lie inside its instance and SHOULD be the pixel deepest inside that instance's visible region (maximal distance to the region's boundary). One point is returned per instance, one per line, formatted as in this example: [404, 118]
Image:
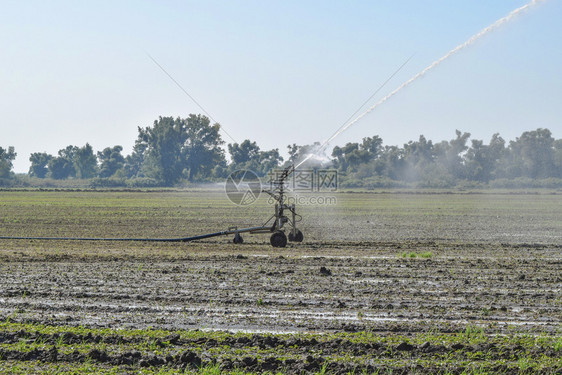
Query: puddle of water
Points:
[345, 257]
[369, 281]
[251, 330]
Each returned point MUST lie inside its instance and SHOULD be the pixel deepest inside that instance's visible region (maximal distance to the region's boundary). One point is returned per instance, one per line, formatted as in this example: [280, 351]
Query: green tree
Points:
[248, 155]
[353, 155]
[482, 160]
[418, 155]
[341, 155]
[62, 166]
[39, 162]
[163, 159]
[450, 154]
[110, 160]
[85, 162]
[394, 162]
[269, 160]
[357, 157]
[373, 145]
[135, 161]
[533, 154]
[293, 151]
[201, 150]
[243, 152]
[6, 159]
[173, 148]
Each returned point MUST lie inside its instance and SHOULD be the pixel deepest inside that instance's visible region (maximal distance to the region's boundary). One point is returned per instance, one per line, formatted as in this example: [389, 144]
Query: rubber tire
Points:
[296, 238]
[278, 239]
[238, 239]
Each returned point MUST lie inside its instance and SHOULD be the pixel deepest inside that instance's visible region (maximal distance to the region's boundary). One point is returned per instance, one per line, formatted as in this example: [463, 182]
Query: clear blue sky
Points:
[275, 72]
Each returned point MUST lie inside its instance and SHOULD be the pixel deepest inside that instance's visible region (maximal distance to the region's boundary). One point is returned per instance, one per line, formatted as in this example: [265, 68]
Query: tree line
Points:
[174, 150]
[534, 156]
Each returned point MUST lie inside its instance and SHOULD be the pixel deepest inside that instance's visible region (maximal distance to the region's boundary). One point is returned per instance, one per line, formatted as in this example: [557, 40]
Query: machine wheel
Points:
[278, 239]
[238, 238]
[298, 237]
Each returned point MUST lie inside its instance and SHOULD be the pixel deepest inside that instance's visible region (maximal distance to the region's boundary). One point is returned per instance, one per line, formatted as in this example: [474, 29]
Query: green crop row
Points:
[472, 350]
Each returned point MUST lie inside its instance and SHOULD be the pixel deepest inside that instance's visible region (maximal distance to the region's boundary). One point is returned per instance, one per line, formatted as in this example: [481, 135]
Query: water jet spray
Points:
[458, 48]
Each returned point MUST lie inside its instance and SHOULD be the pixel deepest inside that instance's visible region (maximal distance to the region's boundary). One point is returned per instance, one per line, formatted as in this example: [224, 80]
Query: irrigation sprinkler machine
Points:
[285, 214]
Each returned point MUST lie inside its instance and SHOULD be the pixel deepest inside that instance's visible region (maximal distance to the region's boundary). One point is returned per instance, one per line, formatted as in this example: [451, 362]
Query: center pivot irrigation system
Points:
[273, 225]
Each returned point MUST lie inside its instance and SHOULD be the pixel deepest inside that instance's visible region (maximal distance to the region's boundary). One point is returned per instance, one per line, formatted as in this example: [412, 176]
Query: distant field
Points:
[476, 217]
[384, 281]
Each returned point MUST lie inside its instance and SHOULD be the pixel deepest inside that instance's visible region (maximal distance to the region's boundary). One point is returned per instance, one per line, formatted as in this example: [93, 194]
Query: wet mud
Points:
[401, 272]
[381, 287]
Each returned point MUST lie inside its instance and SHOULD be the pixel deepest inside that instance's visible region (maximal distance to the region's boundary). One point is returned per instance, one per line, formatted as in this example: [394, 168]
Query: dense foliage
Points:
[190, 149]
[6, 158]
[536, 155]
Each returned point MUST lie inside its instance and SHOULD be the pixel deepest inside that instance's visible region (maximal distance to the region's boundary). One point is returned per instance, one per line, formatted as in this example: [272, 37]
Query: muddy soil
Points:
[404, 269]
[370, 286]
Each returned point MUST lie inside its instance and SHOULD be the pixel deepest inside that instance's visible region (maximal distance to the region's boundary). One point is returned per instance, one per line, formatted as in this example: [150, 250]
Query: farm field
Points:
[406, 282]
